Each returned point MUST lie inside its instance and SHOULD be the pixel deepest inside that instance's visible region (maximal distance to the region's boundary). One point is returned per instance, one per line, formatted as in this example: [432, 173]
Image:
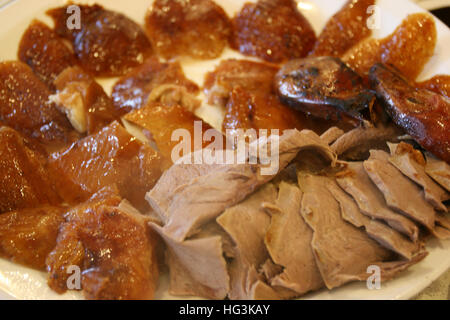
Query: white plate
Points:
[23, 283]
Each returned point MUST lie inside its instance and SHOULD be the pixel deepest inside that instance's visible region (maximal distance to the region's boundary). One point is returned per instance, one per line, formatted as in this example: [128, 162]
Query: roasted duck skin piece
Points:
[439, 84]
[111, 156]
[408, 48]
[107, 44]
[197, 28]
[27, 236]
[132, 91]
[45, 52]
[324, 87]
[86, 104]
[344, 30]
[24, 182]
[24, 106]
[424, 115]
[113, 247]
[273, 30]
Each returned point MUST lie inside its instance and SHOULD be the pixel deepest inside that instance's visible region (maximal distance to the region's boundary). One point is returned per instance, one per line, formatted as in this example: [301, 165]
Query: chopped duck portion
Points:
[439, 171]
[222, 183]
[250, 76]
[24, 106]
[111, 156]
[343, 252]
[412, 164]
[160, 81]
[106, 43]
[87, 106]
[439, 84]
[408, 48]
[377, 230]
[24, 181]
[45, 52]
[197, 28]
[27, 236]
[331, 135]
[273, 30]
[356, 182]
[324, 87]
[115, 250]
[288, 240]
[160, 122]
[400, 193]
[344, 29]
[424, 115]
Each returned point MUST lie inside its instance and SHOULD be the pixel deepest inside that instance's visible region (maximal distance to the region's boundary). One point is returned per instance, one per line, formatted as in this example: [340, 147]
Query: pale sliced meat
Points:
[343, 252]
[371, 202]
[400, 193]
[219, 186]
[331, 135]
[439, 170]
[288, 241]
[380, 232]
[412, 164]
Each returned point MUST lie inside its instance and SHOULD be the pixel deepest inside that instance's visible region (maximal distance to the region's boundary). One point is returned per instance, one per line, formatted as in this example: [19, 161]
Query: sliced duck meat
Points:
[24, 106]
[412, 164]
[288, 241]
[24, 181]
[115, 250]
[356, 182]
[439, 171]
[324, 87]
[416, 35]
[343, 252]
[439, 83]
[45, 52]
[331, 135]
[27, 236]
[107, 43]
[273, 30]
[400, 193]
[111, 156]
[87, 106]
[356, 144]
[417, 111]
[197, 266]
[164, 82]
[197, 28]
[247, 224]
[380, 232]
[159, 122]
[344, 29]
[223, 183]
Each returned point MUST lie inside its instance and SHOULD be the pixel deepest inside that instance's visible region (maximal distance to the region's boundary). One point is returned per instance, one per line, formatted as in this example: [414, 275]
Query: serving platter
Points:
[18, 282]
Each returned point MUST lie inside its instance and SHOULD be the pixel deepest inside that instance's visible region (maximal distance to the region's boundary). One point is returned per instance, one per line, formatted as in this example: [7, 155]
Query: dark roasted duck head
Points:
[425, 115]
[324, 87]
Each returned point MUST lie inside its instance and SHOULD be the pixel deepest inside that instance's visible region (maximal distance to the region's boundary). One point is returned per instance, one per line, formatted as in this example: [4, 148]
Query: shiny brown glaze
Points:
[24, 182]
[132, 91]
[408, 48]
[344, 29]
[248, 75]
[27, 236]
[160, 121]
[99, 108]
[45, 52]
[24, 106]
[197, 28]
[423, 114]
[115, 251]
[111, 156]
[439, 84]
[108, 43]
[324, 87]
[273, 30]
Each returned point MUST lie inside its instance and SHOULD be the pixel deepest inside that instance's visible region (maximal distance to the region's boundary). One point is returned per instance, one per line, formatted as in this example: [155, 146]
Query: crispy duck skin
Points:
[423, 114]
[324, 87]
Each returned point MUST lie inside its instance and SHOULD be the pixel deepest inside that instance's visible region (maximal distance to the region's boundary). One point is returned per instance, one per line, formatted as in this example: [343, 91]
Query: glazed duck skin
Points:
[423, 114]
[323, 87]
